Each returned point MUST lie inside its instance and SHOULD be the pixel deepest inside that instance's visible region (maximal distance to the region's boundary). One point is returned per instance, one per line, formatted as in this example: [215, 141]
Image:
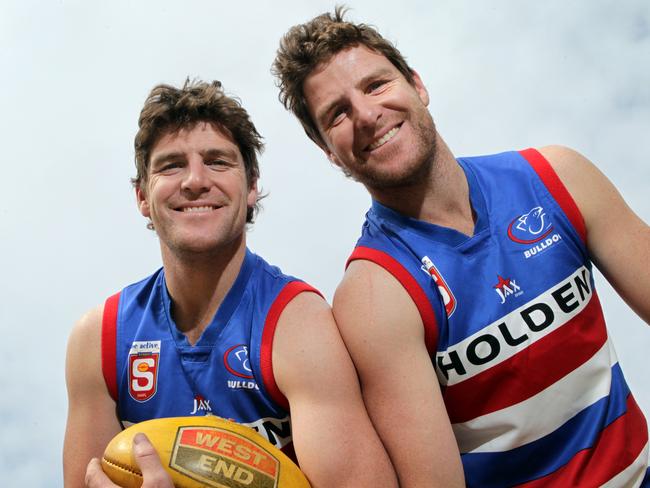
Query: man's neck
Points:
[442, 198]
[198, 285]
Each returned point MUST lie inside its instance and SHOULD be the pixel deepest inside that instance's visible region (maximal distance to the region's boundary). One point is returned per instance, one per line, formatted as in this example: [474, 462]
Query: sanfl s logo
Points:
[143, 369]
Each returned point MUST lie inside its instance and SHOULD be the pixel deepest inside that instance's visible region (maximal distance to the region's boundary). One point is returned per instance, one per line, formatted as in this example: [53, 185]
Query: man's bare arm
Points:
[92, 420]
[335, 441]
[384, 333]
[617, 239]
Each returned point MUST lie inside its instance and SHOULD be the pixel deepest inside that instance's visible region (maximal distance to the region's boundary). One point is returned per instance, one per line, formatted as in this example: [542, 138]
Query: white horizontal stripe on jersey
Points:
[542, 413]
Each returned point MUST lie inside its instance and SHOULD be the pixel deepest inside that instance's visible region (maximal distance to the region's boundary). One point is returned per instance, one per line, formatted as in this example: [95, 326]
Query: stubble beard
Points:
[214, 244]
[414, 172]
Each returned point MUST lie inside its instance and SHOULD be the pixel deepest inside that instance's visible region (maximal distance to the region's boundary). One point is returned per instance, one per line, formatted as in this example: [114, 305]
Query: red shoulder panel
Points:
[109, 344]
[412, 287]
[287, 294]
[555, 186]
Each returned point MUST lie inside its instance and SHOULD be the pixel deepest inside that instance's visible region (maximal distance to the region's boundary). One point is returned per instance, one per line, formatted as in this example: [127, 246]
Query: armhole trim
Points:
[288, 293]
[557, 189]
[411, 286]
[109, 344]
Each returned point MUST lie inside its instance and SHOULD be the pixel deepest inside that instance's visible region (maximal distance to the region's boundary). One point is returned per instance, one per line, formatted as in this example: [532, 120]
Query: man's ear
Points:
[420, 88]
[143, 203]
[333, 158]
[253, 192]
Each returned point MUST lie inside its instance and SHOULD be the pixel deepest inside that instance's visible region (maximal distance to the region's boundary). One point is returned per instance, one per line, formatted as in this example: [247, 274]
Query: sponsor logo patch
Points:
[448, 297]
[507, 287]
[219, 458]
[236, 361]
[201, 404]
[144, 357]
[530, 227]
[533, 227]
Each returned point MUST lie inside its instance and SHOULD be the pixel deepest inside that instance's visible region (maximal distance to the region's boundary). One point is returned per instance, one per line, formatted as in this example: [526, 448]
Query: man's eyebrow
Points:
[164, 157]
[208, 153]
[217, 152]
[372, 76]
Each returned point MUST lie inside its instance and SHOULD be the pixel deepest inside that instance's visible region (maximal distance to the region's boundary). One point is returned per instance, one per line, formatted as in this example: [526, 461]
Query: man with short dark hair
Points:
[468, 303]
[216, 330]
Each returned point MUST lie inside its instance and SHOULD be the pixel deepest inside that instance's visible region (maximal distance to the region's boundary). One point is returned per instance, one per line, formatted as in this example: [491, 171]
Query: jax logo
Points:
[507, 287]
[144, 357]
[448, 297]
[236, 361]
[201, 404]
[530, 227]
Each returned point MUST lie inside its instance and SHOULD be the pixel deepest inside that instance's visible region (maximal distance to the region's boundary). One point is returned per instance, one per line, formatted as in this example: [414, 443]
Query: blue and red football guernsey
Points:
[531, 382]
[152, 371]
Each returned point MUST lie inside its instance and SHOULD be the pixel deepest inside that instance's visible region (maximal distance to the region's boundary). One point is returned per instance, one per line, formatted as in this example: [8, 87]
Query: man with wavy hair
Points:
[468, 305]
[216, 330]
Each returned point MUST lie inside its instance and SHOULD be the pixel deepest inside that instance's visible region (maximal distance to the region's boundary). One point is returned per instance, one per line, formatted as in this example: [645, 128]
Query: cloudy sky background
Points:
[501, 75]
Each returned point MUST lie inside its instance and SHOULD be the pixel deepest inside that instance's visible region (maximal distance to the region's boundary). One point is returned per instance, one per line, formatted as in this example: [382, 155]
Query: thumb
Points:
[153, 473]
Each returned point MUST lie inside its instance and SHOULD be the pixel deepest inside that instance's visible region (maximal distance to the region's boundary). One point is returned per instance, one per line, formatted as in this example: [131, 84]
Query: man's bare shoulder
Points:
[88, 327]
[369, 290]
[578, 174]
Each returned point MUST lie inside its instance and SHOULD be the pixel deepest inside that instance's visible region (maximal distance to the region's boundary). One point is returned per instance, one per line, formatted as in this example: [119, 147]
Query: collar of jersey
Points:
[224, 312]
[445, 235]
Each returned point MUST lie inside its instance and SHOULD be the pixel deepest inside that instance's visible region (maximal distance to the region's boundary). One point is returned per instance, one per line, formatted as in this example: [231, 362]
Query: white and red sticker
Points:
[144, 357]
[448, 297]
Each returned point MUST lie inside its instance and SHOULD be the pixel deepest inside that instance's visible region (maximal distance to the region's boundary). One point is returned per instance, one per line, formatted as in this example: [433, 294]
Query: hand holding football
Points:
[203, 452]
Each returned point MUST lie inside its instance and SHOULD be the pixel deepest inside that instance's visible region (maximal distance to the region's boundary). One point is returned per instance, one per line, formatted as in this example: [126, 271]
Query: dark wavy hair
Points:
[307, 45]
[168, 109]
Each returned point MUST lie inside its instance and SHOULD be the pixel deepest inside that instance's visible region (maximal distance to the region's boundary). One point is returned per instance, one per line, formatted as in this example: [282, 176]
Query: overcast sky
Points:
[74, 74]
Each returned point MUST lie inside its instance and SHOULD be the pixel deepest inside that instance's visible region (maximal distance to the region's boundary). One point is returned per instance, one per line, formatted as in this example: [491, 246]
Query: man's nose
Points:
[366, 113]
[196, 178]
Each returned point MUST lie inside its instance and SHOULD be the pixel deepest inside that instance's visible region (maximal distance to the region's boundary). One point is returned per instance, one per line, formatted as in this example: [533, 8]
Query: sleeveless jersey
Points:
[531, 383]
[152, 371]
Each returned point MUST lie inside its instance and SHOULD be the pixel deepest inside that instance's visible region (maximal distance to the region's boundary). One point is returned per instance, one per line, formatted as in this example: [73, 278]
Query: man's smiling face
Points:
[197, 193]
[375, 124]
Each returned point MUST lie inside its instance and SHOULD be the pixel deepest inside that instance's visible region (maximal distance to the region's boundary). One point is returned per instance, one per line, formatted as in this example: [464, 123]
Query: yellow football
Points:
[203, 452]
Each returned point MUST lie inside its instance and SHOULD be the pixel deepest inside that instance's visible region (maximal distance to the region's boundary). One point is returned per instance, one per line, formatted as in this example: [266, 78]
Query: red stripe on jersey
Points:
[412, 287]
[109, 344]
[616, 448]
[287, 294]
[531, 370]
[555, 186]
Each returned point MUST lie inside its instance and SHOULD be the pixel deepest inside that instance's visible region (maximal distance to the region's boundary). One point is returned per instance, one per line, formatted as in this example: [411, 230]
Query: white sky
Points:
[74, 74]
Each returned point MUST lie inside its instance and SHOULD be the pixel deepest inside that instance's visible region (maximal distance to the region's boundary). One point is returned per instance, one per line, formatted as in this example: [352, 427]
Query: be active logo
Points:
[533, 227]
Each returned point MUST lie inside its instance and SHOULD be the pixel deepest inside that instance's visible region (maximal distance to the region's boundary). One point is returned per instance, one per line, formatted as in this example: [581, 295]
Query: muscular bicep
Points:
[335, 441]
[384, 333]
[617, 239]
[92, 421]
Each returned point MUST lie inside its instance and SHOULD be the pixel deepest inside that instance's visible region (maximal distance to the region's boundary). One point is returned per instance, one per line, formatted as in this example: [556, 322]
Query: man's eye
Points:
[375, 85]
[216, 162]
[170, 166]
[337, 115]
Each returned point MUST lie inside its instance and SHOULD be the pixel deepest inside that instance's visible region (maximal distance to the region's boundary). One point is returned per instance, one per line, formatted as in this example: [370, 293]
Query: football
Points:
[203, 452]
